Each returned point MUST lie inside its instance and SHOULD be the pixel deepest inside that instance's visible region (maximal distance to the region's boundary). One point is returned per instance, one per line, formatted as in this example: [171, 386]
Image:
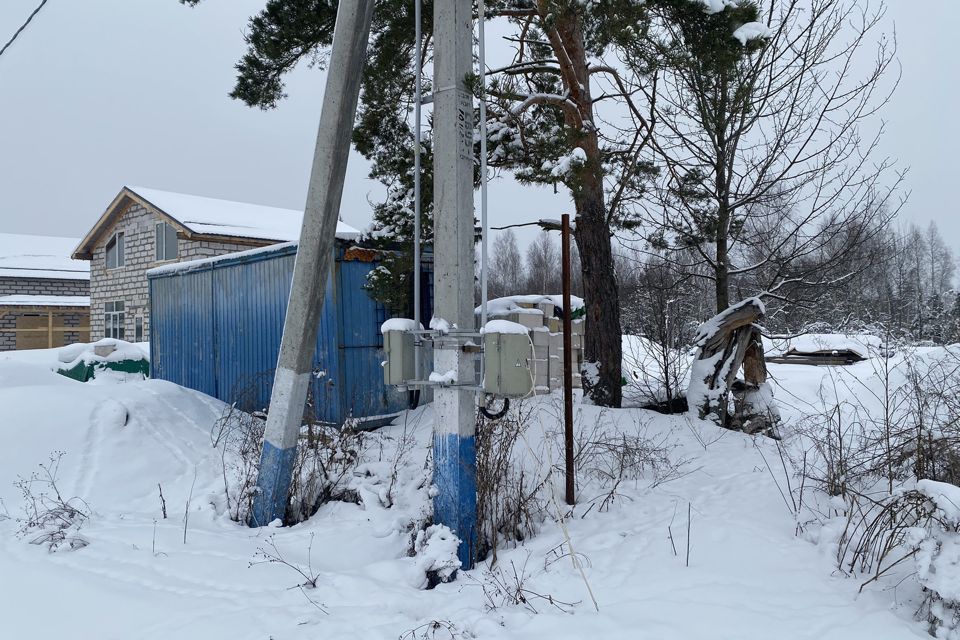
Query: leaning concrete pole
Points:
[314, 256]
[454, 452]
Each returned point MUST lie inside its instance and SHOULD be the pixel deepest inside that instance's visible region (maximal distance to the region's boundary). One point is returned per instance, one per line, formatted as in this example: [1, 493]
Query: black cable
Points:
[489, 414]
[413, 399]
[546, 225]
[514, 226]
[23, 26]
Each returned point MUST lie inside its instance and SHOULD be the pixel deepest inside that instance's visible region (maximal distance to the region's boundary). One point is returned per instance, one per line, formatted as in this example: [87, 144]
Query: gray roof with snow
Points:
[48, 257]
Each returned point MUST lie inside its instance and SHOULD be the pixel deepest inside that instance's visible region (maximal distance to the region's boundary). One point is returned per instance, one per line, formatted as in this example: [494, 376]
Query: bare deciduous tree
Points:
[766, 161]
[543, 265]
[507, 274]
[664, 321]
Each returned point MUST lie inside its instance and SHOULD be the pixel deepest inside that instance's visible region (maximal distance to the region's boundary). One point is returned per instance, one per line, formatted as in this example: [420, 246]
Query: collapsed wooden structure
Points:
[728, 343]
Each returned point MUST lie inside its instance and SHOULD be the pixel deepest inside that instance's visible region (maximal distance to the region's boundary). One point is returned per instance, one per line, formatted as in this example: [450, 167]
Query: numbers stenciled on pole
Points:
[464, 124]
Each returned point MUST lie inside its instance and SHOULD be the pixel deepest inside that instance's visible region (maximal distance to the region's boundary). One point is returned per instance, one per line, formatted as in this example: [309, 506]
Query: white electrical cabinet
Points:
[507, 359]
[400, 365]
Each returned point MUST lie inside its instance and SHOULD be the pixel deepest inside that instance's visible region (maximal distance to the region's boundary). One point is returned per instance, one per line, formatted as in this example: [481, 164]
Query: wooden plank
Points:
[743, 340]
[742, 316]
[62, 310]
[754, 369]
[810, 360]
[845, 354]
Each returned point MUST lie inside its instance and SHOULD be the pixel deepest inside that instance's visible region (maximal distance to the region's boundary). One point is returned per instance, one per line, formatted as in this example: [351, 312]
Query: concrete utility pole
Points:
[454, 450]
[314, 256]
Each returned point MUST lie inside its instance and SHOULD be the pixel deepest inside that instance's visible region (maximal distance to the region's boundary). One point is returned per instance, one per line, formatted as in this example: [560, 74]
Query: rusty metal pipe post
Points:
[567, 360]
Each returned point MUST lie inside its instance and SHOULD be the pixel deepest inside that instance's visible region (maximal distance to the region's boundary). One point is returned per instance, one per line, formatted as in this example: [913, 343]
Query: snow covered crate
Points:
[217, 324]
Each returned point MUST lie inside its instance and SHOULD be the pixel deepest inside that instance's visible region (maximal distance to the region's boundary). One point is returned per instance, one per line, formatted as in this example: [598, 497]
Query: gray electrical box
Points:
[400, 365]
[507, 358]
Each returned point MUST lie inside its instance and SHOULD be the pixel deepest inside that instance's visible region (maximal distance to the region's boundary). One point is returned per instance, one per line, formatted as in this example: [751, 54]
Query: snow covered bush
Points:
[239, 436]
[433, 630]
[883, 447]
[270, 553]
[323, 467]
[922, 525]
[435, 549]
[838, 449]
[937, 559]
[609, 454]
[933, 386]
[323, 470]
[520, 466]
[326, 460]
[894, 422]
[510, 587]
[49, 518]
[664, 320]
[510, 504]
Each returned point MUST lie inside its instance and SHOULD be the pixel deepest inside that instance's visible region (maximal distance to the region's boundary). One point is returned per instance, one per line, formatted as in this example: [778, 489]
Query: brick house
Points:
[146, 228]
[44, 295]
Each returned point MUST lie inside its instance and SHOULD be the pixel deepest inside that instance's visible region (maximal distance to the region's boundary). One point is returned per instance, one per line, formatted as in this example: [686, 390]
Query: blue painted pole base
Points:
[273, 484]
[455, 476]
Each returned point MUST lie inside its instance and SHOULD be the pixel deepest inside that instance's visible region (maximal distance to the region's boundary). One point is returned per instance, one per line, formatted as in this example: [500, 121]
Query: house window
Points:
[113, 320]
[166, 242]
[138, 329]
[115, 251]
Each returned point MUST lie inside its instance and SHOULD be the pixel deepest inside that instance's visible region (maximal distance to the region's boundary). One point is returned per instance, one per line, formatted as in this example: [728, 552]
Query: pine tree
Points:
[954, 334]
[936, 322]
[940, 260]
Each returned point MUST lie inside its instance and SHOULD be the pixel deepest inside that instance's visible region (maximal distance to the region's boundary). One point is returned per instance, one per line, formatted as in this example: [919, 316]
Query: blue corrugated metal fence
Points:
[216, 327]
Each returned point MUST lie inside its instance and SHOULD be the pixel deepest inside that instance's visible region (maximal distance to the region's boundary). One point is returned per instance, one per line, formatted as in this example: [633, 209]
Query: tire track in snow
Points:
[186, 627]
[179, 448]
[93, 443]
[185, 449]
[121, 538]
[169, 580]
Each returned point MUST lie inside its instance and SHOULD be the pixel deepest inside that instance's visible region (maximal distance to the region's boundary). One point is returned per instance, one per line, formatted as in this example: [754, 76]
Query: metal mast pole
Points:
[454, 450]
[417, 138]
[485, 227]
[314, 255]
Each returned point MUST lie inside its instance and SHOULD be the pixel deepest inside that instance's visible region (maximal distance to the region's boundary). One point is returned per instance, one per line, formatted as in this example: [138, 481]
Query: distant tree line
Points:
[537, 270]
[900, 282]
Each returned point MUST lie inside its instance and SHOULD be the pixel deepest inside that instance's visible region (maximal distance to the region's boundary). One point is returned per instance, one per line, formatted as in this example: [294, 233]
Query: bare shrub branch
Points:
[50, 519]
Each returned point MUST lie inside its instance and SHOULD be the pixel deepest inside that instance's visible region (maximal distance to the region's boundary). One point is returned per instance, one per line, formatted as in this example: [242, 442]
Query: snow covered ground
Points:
[749, 575]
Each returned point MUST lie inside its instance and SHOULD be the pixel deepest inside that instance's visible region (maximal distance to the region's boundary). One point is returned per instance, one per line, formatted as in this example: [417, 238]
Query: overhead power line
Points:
[23, 26]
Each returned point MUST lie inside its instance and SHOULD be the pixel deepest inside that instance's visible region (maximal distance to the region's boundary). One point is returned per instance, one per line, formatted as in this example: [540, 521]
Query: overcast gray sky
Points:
[102, 93]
